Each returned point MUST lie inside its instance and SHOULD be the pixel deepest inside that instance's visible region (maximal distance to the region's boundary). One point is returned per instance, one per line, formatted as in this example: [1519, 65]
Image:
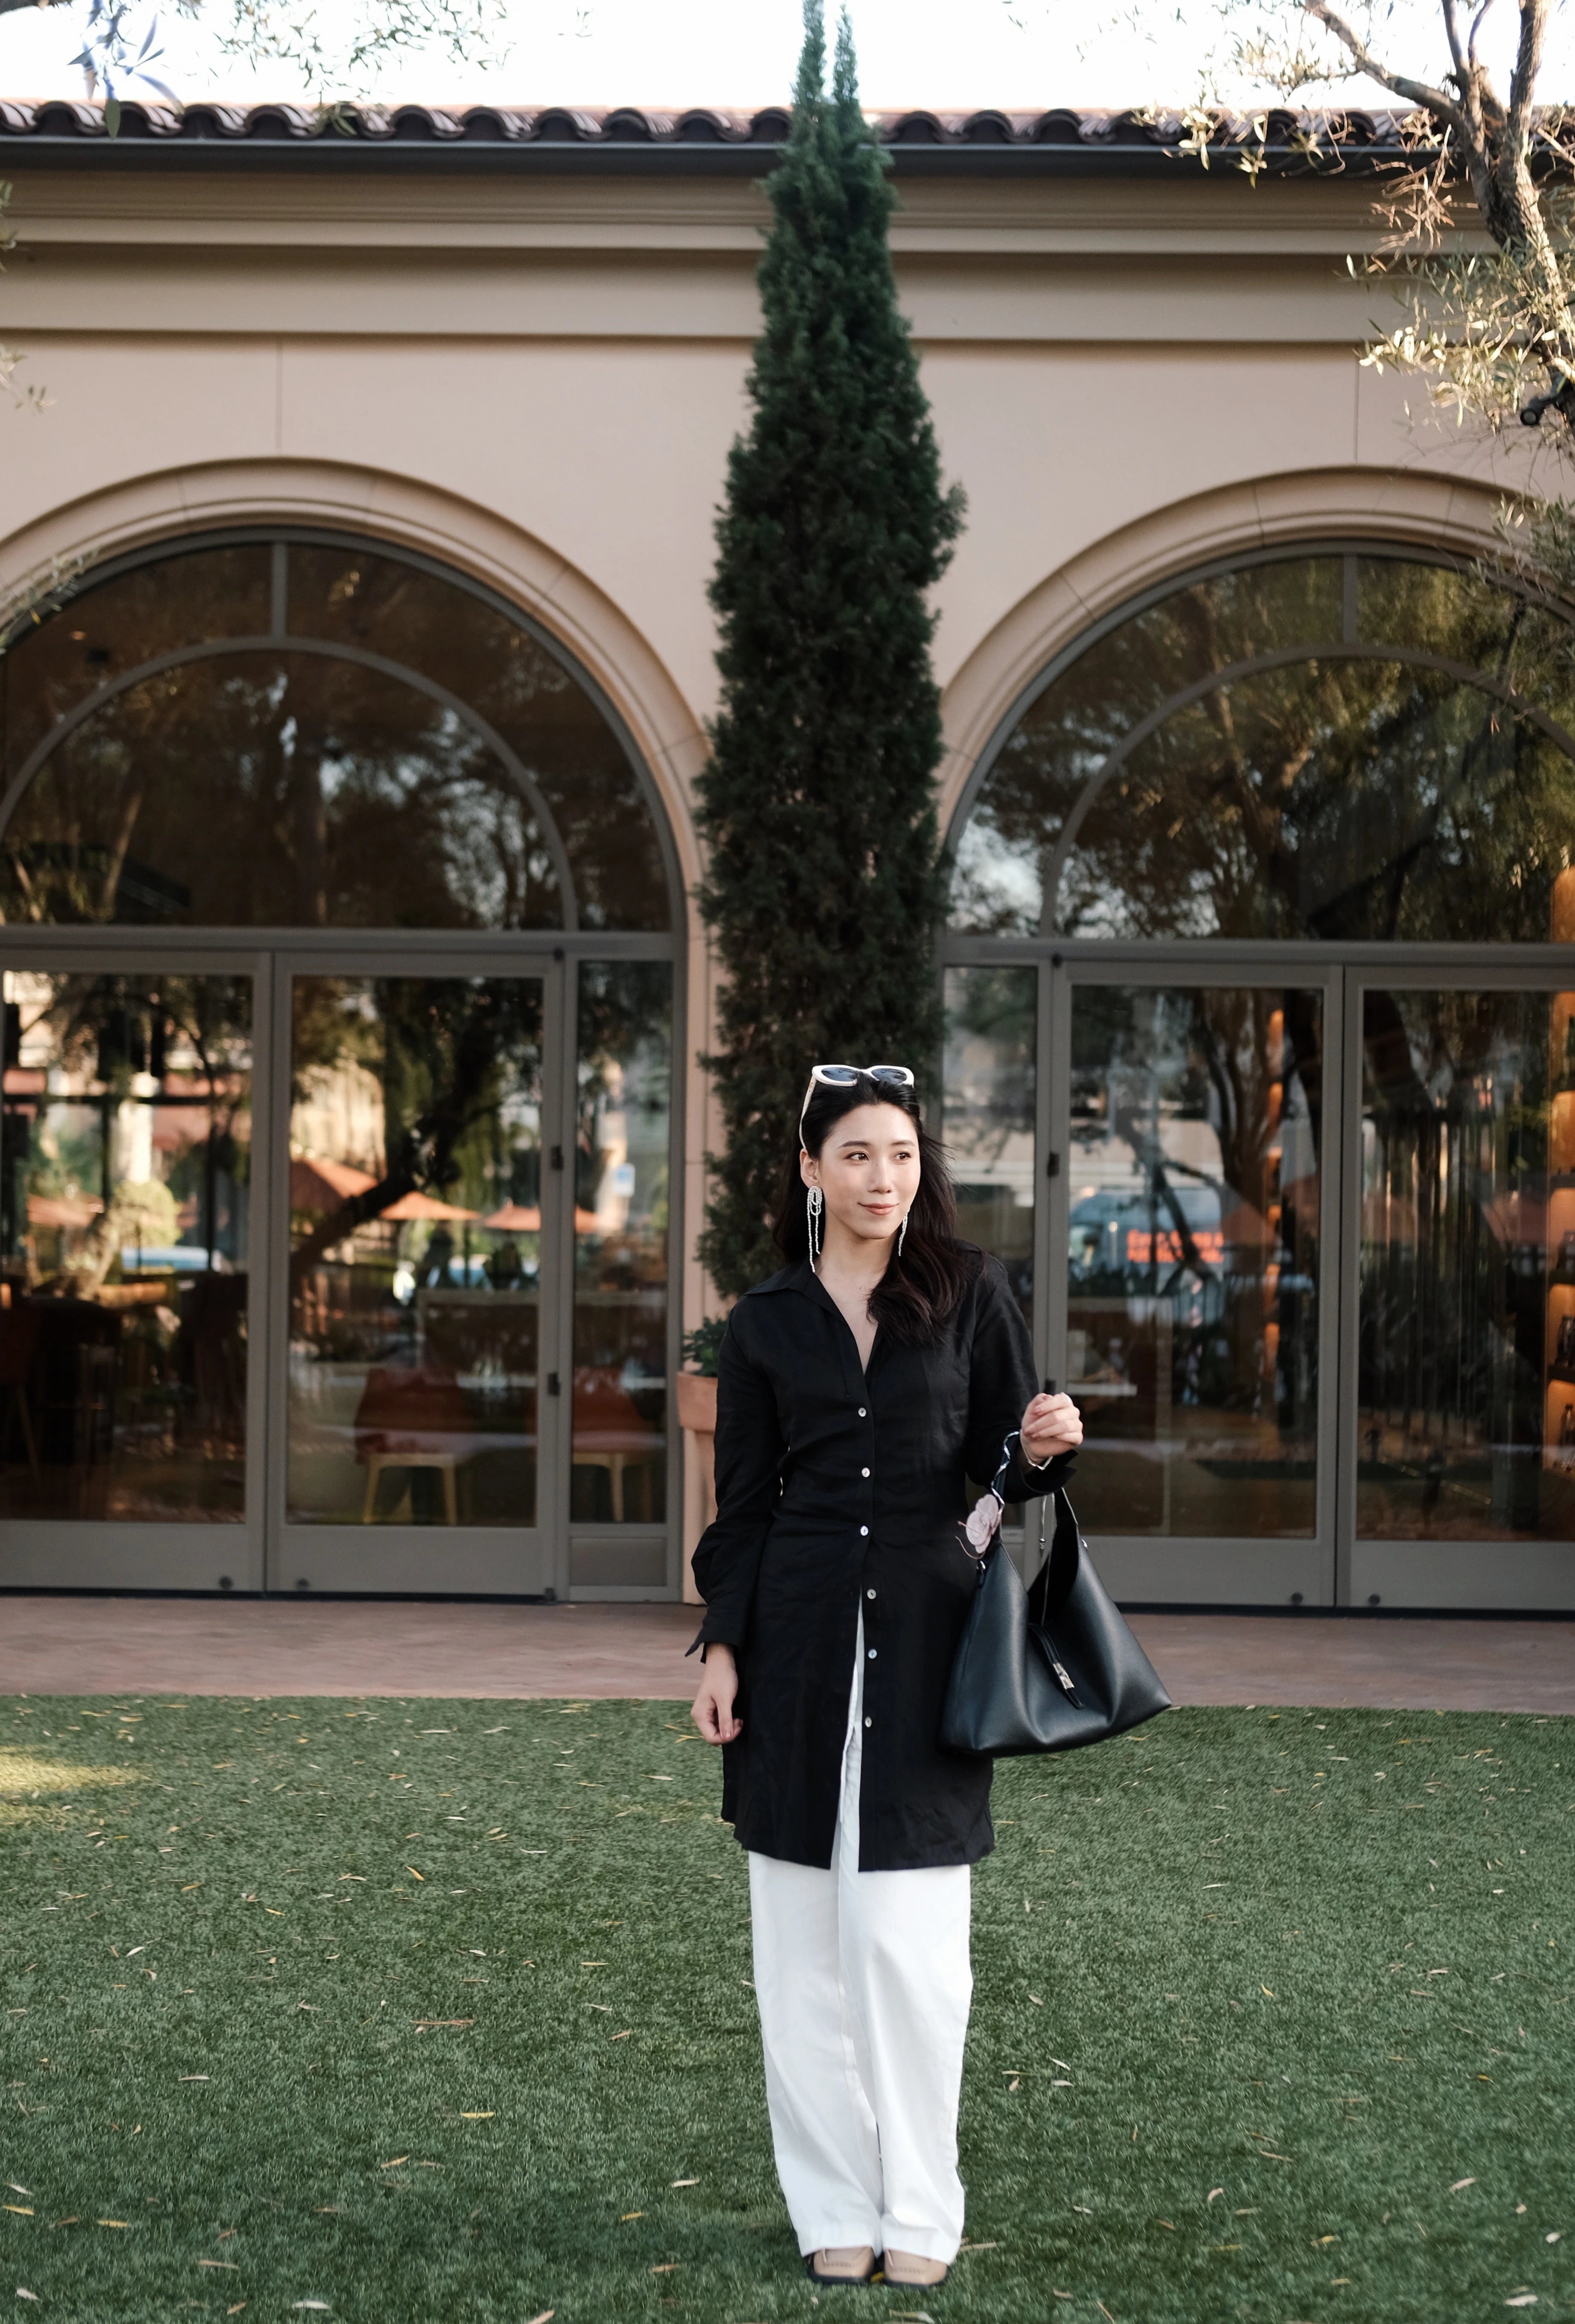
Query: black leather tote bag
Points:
[1049, 1668]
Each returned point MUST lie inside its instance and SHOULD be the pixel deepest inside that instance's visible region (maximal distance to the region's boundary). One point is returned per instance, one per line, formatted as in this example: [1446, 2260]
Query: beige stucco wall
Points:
[540, 379]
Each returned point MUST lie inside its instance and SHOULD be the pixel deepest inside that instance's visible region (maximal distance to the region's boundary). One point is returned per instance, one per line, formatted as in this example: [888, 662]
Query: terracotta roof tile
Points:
[1111, 142]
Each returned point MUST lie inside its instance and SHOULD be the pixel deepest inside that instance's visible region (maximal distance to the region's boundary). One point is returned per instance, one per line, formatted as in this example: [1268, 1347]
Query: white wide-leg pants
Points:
[863, 1982]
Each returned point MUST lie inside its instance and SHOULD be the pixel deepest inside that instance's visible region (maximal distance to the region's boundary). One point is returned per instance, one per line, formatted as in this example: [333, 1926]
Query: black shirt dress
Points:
[839, 1491]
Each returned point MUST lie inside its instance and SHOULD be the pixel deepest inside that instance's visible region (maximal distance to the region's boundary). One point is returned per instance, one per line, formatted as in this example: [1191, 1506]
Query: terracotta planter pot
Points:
[696, 1399]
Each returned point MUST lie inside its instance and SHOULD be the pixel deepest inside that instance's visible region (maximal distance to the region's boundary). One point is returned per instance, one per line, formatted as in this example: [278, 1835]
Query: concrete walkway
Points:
[124, 1647]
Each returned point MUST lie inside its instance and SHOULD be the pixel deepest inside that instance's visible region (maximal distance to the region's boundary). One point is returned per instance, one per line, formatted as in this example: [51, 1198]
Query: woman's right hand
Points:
[712, 1711]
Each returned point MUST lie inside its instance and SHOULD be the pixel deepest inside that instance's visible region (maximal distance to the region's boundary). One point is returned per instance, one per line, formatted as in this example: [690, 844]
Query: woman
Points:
[859, 1387]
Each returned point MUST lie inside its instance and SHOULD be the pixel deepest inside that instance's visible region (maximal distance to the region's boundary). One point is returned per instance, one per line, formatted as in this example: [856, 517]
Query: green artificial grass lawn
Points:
[397, 2011]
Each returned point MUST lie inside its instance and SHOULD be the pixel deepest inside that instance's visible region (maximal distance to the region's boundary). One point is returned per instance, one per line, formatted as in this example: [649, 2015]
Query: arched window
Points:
[313, 732]
[1344, 745]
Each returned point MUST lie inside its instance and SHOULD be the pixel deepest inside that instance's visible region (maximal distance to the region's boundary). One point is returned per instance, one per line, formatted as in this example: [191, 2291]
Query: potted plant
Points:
[696, 1397]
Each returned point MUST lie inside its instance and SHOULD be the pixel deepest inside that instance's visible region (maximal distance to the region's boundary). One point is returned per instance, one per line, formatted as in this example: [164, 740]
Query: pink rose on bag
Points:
[982, 1520]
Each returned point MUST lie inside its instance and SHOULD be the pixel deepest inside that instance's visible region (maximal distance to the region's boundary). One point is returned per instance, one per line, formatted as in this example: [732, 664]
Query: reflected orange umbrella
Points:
[525, 1218]
[425, 1206]
[62, 1210]
[323, 1186]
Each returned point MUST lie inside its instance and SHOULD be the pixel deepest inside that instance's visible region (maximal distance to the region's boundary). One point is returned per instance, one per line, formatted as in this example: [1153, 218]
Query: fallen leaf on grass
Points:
[1215, 2191]
[23, 2211]
[625, 2216]
[667, 2266]
[310, 2303]
[425, 2024]
[233, 2266]
[192, 2078]
[547, 2314]
[23, 2294]
[685, 2183]
[393, 2165]
[1459, 2183]
[487, 2116]
[236, 2308]
[622, 2037]
[1522, 2299]
[112, 2223]
[1104, 2311]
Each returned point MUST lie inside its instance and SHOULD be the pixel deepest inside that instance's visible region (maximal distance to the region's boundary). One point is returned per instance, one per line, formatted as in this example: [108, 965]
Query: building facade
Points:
[352, 1155]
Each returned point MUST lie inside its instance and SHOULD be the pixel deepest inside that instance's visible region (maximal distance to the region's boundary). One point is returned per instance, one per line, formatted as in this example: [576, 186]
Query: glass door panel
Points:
[415, 1269]
[617, 1490]
[125, 1145]
[1194, 1188]
[988, 1120]
[1466, 1270]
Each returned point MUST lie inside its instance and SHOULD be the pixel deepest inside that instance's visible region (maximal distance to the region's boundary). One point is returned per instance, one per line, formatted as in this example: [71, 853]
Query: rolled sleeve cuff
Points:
[718, 1628]
[1026, 1480]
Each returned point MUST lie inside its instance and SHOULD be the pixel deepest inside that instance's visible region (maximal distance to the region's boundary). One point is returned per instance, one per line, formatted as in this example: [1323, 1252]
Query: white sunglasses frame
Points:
[903, 1076]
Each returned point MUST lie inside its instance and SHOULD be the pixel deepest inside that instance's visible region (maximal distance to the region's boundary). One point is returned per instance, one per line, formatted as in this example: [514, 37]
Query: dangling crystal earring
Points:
[814, 1203]
[902, 1234]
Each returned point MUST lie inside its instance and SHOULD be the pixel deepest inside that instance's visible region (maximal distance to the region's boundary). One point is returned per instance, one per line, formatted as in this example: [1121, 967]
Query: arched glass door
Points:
[1255, 995]
[335, 1155]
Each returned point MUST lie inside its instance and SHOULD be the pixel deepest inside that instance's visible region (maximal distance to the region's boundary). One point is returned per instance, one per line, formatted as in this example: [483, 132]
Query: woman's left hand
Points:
[1050, 1424]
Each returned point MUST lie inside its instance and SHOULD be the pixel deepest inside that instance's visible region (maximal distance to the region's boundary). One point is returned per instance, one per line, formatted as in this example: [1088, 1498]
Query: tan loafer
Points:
[912, 2268]
[841, 2263]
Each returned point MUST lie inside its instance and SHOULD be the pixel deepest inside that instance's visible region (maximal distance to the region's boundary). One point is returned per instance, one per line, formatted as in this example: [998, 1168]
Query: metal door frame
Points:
[398, 1560]
[119, 1554]
[254, 1557]
[1498, 1576]
[1273, 1569]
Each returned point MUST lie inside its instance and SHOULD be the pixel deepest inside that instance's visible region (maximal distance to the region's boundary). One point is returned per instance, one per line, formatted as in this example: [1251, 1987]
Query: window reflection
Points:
[525, 695]
[125, 1182]
[289, 784]
[1193, 1261]
[284, 790]
[1336, 790]
[415, 1195]
[621, 1182]
[112, 627]
[987, 1118]
[1466, 1388]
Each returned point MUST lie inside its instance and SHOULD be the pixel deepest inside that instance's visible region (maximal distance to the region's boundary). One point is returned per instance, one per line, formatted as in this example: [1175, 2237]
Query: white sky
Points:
[1019, 54]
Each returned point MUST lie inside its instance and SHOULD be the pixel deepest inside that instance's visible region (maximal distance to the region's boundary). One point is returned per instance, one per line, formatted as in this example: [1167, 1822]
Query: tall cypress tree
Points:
[817, 803]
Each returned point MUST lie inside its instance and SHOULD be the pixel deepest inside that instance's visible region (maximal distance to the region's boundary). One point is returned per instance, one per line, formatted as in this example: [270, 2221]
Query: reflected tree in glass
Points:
[124, 1196]
[988, 1114]
[621, 1220]
[1344, 748]
[1466, 1383]
[1192, 1261]
[414, 1250]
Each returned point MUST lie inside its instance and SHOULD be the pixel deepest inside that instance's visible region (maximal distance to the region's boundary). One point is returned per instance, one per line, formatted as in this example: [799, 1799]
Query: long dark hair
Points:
[922, 1289]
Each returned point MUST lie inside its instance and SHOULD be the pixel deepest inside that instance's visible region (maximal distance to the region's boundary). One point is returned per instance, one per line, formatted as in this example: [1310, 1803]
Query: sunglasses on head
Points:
[849, 1077]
